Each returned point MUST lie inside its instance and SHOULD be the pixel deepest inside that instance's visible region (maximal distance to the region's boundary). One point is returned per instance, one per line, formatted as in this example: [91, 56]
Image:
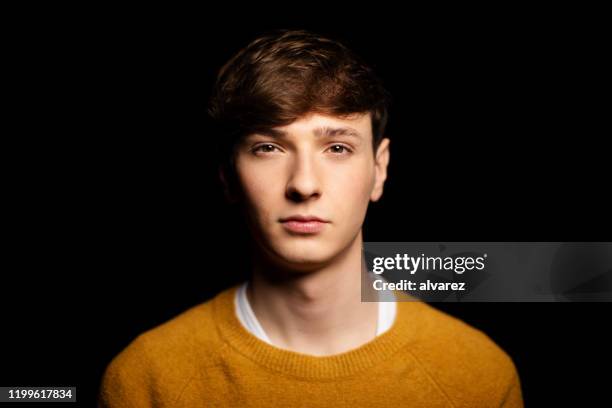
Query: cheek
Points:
[259, 189]
[351, 187]
[350, 203]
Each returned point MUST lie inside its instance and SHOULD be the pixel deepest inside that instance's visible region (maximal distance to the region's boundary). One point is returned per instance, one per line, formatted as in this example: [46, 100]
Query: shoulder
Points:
[465, 363]
[166, 357]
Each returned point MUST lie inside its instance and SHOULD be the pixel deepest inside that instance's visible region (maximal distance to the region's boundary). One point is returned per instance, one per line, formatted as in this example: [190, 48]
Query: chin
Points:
[305, 255]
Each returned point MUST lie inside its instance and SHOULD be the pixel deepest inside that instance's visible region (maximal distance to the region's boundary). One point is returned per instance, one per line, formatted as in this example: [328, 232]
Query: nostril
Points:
[295, 195]
[298, 196]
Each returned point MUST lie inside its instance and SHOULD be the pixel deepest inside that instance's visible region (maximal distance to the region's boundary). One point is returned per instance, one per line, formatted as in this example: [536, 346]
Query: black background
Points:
[115, 221]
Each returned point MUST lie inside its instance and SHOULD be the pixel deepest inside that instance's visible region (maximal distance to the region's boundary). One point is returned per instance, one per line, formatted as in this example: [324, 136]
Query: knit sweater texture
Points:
[204, 357]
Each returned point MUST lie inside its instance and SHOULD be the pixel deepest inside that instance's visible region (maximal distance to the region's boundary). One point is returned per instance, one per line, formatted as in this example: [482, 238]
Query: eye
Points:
[265, 148]
[340, 149]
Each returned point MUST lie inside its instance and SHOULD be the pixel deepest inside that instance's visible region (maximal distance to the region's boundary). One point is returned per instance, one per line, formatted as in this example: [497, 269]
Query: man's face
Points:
[305, 187]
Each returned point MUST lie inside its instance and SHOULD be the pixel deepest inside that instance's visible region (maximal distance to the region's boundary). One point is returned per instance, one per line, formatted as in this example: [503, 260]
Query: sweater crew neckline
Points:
[350, 362]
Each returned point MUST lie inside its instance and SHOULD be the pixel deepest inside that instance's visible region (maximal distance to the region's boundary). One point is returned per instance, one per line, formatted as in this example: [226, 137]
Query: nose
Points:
[303, 183]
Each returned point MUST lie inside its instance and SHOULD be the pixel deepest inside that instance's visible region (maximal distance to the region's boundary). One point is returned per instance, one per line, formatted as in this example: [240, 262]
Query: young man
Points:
[303, 119]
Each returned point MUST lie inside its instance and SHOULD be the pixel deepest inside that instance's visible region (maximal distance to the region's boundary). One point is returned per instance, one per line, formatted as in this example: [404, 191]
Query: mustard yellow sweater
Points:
[205, 358]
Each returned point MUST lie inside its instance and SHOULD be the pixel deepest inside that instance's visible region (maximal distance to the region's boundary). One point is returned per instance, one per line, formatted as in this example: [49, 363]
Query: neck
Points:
[318, 312]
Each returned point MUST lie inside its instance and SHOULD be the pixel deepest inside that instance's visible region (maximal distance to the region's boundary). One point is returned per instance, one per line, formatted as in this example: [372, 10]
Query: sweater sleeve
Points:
[514, 397]
[125, 381]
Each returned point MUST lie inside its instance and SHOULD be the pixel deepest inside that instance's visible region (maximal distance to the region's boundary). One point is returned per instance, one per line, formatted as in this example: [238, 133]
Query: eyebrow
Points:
[331, 132]
[324, 131]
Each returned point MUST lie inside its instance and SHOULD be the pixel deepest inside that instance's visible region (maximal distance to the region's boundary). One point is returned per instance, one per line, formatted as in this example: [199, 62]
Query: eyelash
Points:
[256, 149]
[346, 148]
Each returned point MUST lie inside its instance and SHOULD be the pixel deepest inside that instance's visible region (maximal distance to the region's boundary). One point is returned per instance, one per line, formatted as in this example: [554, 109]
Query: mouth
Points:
[301, 224]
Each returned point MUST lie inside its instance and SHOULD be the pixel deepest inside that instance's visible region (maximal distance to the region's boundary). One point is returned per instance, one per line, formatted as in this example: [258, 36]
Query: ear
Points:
[381, 163]
[228, 186]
